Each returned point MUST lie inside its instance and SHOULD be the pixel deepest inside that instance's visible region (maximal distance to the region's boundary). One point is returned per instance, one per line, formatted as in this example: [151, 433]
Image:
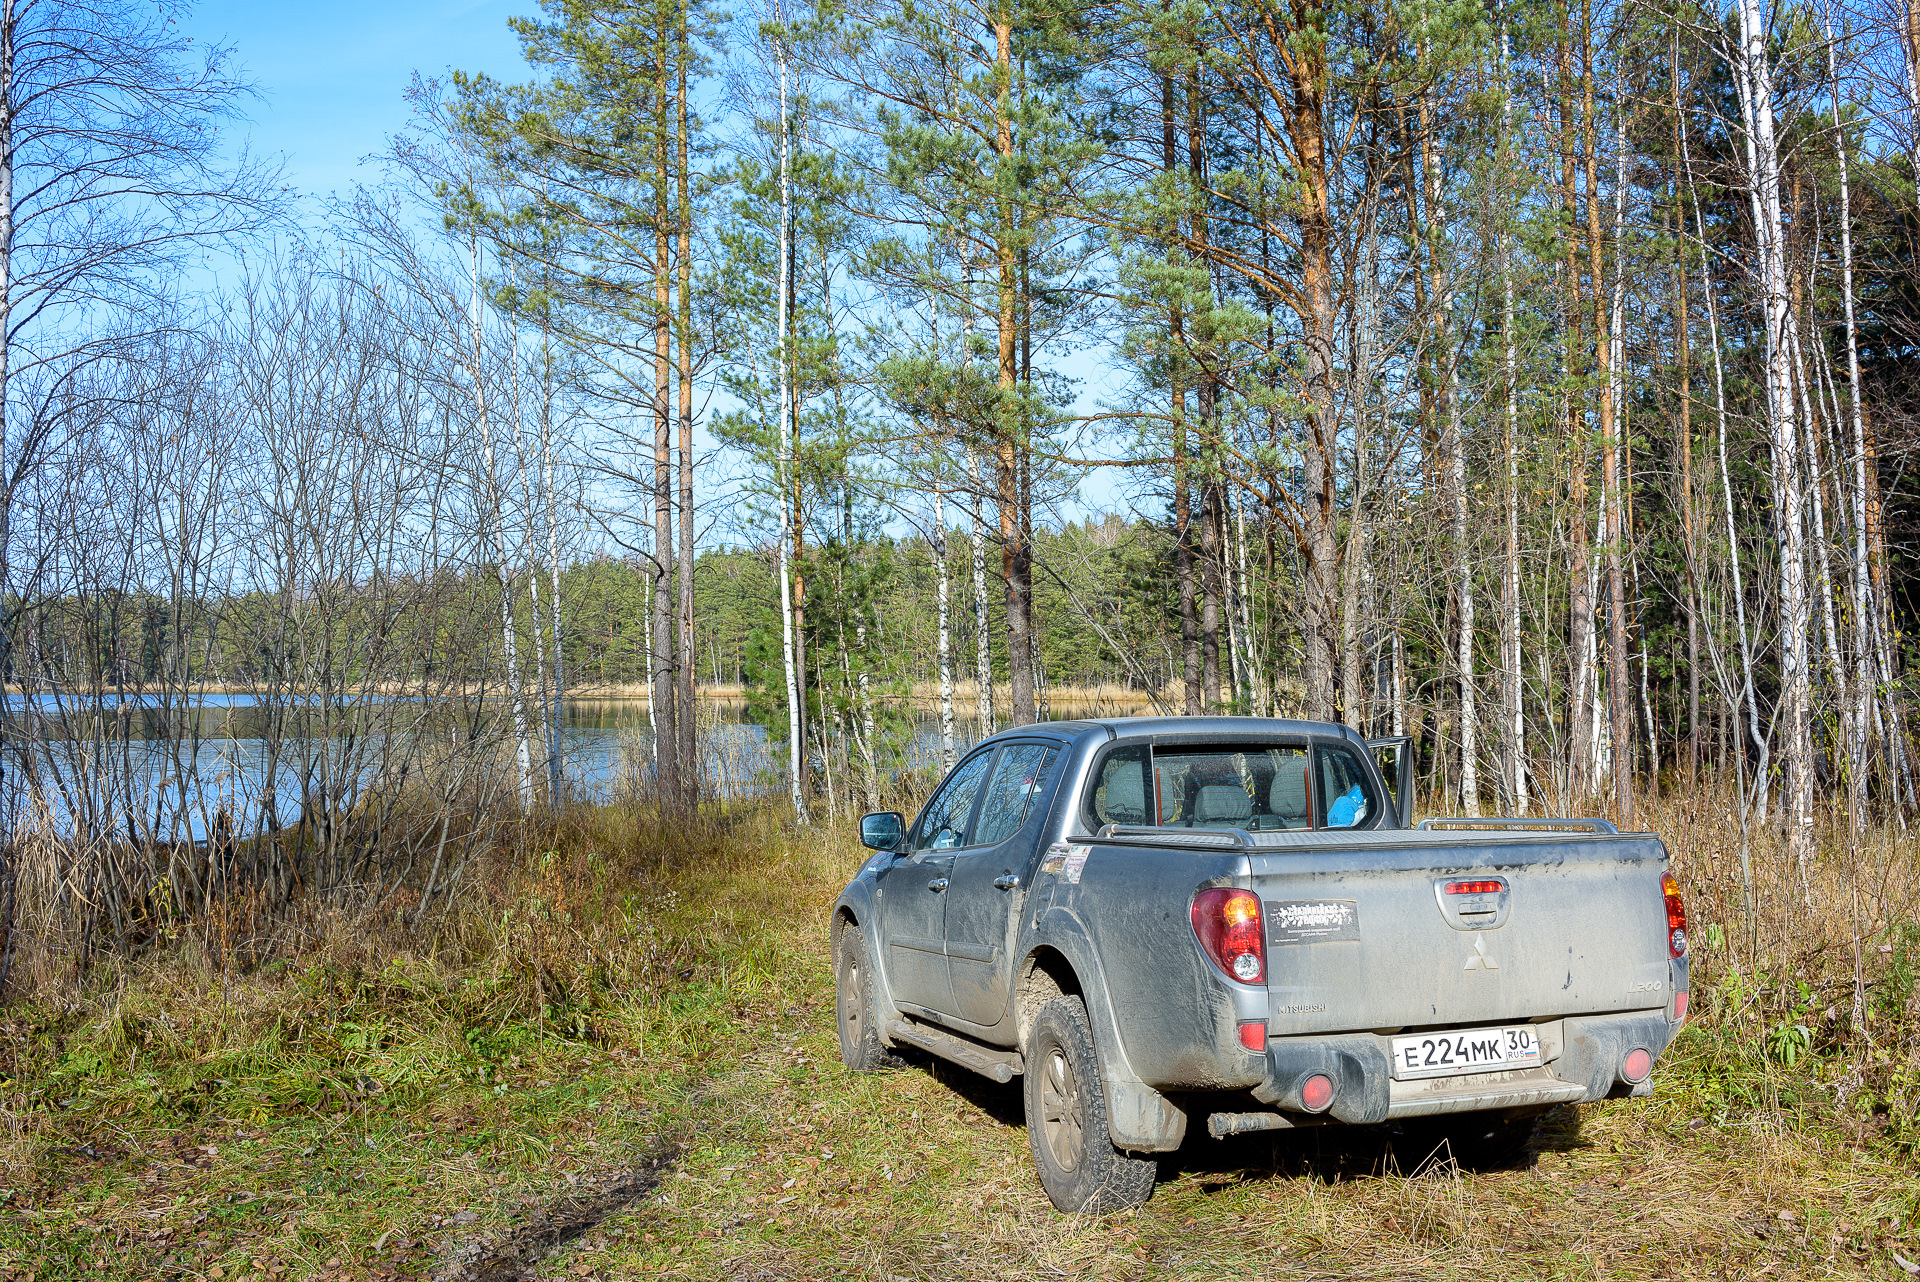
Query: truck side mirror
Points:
[883, 830]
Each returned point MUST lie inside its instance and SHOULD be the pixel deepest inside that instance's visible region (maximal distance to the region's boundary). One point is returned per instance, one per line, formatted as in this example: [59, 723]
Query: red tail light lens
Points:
[1676, 916]
[1316, 1092]
[1253, 1035]
[1227, 923]
[1635, 1067]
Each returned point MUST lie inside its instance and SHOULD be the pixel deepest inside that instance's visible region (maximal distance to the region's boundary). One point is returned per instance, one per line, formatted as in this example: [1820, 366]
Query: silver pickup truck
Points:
[1232, 922]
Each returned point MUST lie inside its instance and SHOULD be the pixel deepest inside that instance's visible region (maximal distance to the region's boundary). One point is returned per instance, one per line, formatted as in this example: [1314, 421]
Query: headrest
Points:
[1126, 801]
[1221, 801]
[1288, 796]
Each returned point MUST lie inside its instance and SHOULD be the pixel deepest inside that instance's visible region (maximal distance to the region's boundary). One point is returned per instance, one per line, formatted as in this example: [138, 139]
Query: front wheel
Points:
[1066, 1108]
[860, 1044]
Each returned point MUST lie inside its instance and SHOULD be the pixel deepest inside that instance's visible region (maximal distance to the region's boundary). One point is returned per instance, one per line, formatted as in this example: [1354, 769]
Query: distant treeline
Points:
[1107, 620]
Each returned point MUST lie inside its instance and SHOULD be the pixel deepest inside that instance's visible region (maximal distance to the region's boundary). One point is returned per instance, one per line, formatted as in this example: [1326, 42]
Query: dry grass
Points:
[383, 1102]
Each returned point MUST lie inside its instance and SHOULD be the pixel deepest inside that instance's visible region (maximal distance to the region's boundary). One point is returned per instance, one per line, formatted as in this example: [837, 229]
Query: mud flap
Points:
[1141, 1119]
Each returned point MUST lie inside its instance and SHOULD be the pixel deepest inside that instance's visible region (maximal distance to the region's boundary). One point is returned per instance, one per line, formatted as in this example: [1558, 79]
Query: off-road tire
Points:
[1066, 1104]
[1480, 1141]
[854, 1010]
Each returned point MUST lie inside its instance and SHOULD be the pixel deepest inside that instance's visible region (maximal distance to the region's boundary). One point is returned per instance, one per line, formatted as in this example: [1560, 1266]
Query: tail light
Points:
[1316, 1092]
[1636, 1066]
[1676, 916]
[1227, 924]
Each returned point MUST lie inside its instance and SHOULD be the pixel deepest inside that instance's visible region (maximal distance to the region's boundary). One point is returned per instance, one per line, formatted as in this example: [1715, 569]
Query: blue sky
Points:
[331, 74]
[331, 77]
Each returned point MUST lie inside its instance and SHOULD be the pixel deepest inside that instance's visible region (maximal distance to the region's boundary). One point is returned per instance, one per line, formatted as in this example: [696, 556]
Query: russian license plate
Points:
[1472, 1050]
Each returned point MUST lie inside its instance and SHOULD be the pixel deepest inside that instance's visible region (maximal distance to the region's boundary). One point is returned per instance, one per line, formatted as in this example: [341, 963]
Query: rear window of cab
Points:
[1262, 787]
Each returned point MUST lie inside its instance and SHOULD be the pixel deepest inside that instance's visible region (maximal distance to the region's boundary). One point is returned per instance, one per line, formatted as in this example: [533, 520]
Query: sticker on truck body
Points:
[1066, 861]
[1311, 921]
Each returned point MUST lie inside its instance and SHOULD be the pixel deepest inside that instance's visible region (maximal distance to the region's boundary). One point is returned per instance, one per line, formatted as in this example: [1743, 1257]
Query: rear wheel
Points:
[1066, 1107]
[860, 1044]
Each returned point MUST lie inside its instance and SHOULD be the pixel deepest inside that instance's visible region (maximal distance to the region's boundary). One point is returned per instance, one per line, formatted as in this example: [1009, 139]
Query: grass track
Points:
[610, 1020]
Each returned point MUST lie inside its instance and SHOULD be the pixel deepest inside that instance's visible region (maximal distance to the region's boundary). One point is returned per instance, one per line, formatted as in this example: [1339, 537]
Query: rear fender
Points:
[1139, 1118]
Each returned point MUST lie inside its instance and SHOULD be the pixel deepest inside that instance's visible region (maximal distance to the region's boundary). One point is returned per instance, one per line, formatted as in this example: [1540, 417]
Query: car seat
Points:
[1289, 798]
[1124, 800]
[1222, 805]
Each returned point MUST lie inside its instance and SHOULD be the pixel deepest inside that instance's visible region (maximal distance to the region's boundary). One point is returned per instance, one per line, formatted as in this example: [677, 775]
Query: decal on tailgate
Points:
[1311, 921]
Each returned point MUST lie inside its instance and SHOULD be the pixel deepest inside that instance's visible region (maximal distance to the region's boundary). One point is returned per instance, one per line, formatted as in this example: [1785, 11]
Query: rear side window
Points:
[1024, 771]
[1344, 784]
[1255, 787]
[1122, 789]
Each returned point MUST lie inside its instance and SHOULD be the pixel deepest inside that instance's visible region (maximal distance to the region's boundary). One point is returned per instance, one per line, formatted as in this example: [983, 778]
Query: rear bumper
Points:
[1582, 1061]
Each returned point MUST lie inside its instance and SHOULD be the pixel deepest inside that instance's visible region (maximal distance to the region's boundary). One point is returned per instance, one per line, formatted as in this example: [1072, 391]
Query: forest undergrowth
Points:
[614, 1057]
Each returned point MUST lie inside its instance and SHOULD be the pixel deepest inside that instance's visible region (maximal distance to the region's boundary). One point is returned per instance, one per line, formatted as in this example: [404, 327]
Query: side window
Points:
[1344, 789]
[1022, 773]
[943, 824]
[1122, 791]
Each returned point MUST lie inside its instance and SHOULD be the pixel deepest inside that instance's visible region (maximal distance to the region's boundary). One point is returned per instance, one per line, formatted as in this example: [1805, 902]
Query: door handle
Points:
[1006, 881]
[937, 885]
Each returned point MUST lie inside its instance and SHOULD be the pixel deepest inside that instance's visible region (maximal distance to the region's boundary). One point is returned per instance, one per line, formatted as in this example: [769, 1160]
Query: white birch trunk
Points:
[1256, 696]
[523, 787]
[1910, 48]
[1600, 744]
[1861, 584]
[1620, 550]
[556, 709]
[943, 593]
[1512, 684]
[982, 639]
[796, 749]
[1749, 697]
[1754, 79]
[1399, 681]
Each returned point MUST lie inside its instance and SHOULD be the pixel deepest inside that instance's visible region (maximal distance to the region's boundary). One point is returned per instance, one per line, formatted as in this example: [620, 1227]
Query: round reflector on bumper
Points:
[1635, 1067]
[1316, 1092]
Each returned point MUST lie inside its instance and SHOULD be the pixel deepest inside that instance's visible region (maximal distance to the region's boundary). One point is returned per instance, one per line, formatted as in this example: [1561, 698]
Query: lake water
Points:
[166, 770]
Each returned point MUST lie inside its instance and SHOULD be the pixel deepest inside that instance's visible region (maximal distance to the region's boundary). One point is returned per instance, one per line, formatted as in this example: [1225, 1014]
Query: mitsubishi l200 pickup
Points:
[1231, 923]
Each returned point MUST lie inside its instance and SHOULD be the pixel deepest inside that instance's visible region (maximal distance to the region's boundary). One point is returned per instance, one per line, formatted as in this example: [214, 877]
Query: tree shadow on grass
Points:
[1335, 1153]
[1325, 1153]
[1004, 1103]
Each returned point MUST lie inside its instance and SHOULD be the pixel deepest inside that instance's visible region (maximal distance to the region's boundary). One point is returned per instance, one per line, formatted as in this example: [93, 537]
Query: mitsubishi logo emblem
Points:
[1479, 959]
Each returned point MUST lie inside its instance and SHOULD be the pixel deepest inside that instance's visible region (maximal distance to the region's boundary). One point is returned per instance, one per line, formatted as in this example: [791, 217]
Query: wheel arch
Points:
[1065, 964]
[1044, 975]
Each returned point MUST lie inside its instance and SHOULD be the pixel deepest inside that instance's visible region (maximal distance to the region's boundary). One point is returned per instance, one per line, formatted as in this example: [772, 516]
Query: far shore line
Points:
[966, 695]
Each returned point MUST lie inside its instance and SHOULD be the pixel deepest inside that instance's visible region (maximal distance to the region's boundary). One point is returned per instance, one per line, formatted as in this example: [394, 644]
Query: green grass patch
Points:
[382, 1104]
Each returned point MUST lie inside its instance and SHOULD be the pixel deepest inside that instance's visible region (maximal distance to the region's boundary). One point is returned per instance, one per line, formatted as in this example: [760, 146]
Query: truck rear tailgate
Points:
[1435, 929]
